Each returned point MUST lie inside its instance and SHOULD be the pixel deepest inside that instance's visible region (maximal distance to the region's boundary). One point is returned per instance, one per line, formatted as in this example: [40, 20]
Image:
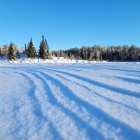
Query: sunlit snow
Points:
[74, 101]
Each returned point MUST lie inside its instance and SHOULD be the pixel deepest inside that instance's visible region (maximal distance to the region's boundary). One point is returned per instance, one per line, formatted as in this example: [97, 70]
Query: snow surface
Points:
[78, 101]
[38, 60]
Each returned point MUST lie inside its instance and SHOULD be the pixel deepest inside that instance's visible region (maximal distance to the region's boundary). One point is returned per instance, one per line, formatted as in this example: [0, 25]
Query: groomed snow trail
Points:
[70, 101]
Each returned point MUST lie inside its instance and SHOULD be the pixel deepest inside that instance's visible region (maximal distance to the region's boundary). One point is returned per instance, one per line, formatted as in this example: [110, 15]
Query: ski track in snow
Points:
[70, 101]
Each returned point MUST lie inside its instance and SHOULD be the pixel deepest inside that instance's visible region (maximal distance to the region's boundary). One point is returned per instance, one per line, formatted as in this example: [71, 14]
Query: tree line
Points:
[96, 52]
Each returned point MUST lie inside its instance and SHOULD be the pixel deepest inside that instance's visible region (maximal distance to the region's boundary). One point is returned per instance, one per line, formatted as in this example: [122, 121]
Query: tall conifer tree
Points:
[31, 52]
[44, 49]
[11, 52]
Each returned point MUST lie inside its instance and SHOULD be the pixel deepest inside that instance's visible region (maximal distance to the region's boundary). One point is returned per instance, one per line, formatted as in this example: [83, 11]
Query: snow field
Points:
[70, 101]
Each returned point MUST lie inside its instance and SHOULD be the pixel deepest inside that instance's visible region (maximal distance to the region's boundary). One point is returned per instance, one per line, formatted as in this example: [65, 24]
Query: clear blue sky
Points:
[70, 23]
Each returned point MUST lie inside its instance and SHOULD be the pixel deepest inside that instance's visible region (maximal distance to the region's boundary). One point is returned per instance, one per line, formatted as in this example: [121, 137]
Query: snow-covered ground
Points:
[55, 60]
[70, 101]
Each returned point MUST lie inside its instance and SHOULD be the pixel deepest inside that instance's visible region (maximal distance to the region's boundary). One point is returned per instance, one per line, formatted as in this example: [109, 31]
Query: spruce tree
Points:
[11, 52]
[31, 52]
[44, 49]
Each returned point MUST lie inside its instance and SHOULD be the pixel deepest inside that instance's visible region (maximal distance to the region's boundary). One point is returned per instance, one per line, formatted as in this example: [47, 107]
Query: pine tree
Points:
[44, 49]
[11, 52]
[31, 52]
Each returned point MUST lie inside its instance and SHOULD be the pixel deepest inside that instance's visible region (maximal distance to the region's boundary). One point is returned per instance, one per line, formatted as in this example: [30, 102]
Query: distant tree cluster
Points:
[111, 53]
[9, 51]
[12, 51]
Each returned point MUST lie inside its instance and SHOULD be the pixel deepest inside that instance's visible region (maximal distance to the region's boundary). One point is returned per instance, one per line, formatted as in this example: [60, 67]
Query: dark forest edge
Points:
[96, 52]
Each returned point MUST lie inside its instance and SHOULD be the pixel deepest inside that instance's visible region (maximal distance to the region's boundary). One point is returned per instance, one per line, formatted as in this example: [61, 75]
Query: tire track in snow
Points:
[96, 125]
[65, 135]
[80, 124]
[106, 86]
[121, 109]
[41, 120]
[91, 89]
[132, 122]
[122, 77]
[116, 98]
[78, 103]
[125, 129]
